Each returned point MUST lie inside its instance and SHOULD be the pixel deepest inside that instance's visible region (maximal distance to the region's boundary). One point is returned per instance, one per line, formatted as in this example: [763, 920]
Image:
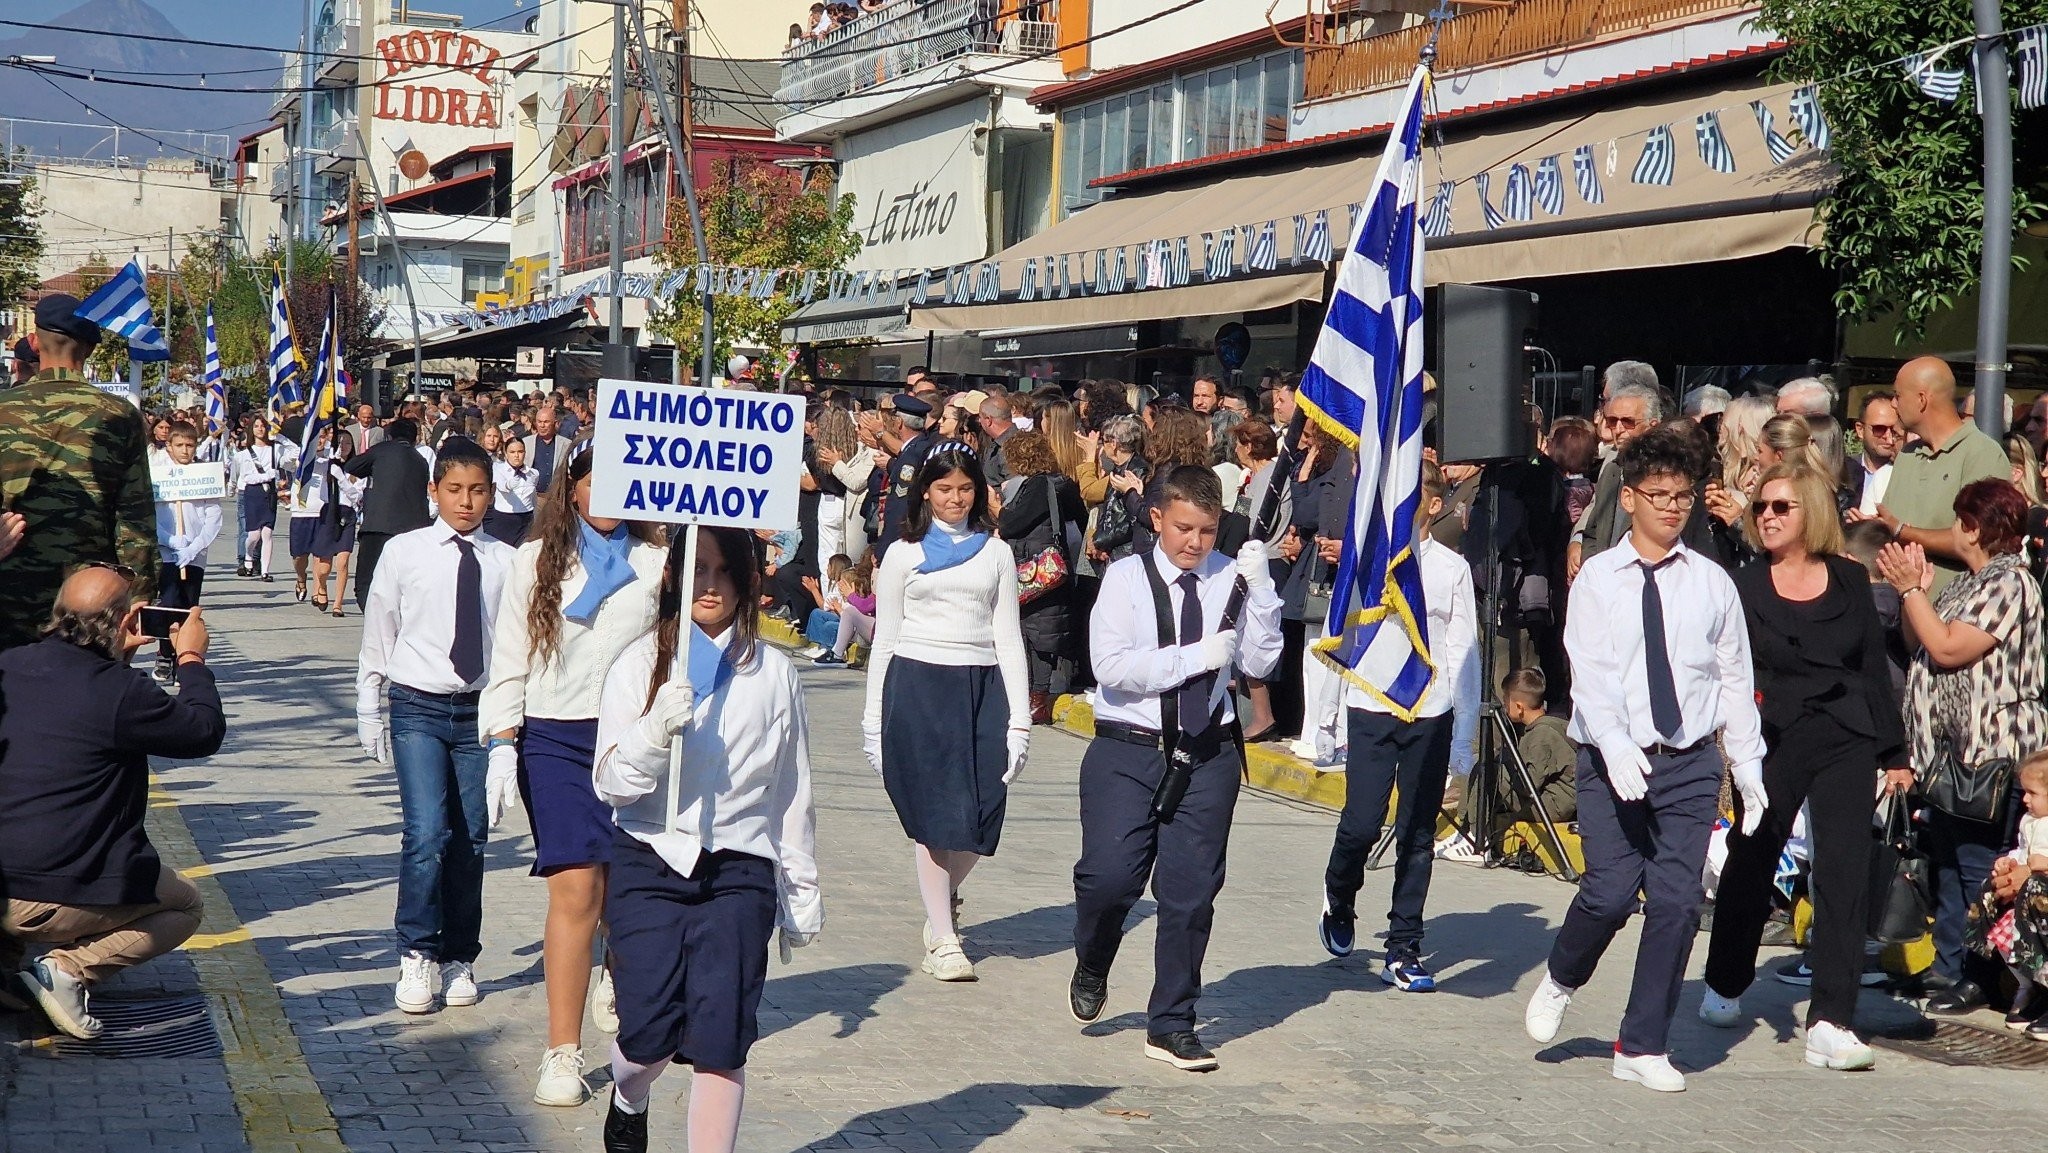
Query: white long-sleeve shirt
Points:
[184, 530]
[257, 464]
[309, 498]
[963, 615]
[1132, 669]
[1452, 630]
[745, 784]
[569, 686]
[409, 620]
[1704, 633]
[513, 488]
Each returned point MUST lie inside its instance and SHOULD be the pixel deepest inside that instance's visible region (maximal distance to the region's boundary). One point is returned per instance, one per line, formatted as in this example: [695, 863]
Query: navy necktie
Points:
[1664, 711]
[544, 460]
[1194, 695]
[467, 653]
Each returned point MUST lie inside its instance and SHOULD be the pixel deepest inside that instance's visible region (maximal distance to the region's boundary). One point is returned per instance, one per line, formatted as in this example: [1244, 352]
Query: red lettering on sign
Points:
[458, 107]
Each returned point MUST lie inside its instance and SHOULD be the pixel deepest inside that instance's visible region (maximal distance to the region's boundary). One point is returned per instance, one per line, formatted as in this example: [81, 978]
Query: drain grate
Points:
[155, 1027]
[1954, 1043]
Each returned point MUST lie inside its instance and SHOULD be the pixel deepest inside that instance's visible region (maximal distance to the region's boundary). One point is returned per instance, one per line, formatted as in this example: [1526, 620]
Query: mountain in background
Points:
[170, 115]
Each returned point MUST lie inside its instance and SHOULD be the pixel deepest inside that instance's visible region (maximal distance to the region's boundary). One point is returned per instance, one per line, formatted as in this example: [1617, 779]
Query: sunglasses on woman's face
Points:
[1779, 508]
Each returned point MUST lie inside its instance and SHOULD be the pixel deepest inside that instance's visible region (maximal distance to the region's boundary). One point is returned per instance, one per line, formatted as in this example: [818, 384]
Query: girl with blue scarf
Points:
[581, 591]
[947, 724]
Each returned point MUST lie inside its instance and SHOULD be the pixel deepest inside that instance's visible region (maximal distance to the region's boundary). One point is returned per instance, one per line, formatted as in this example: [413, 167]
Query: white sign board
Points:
[120, 388]
[200, 480]
[920, 189]
[696, 455]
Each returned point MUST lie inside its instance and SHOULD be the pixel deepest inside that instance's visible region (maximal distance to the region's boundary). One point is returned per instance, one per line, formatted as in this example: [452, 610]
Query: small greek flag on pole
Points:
[1934, 81]
[1517, 201]
[1437, 223]
[1312, 236]
[1659, 158]
[1550, 186]
[2030, 45]
[1262, 248]
[1493, 219]
[1780, 148]
[121, 306]
[216, 384]
[1587, 175]
[1806, 114]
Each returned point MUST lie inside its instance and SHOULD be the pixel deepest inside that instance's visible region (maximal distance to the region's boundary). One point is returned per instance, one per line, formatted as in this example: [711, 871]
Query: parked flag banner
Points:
[696, 455]
[1364, 386]
[200, 480]
[121, 306]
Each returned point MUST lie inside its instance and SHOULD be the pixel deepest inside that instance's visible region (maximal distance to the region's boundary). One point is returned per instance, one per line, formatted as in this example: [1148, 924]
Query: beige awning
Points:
[1703, 215]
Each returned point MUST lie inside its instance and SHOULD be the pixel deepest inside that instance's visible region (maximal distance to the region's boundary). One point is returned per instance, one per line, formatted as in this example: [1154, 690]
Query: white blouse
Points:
[745, 784]
[964, 615]
[570, 686]
[514, 487]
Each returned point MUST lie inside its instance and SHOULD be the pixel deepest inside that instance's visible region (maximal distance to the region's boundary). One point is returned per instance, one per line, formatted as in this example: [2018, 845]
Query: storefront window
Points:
[1135, 154]
[587, 233]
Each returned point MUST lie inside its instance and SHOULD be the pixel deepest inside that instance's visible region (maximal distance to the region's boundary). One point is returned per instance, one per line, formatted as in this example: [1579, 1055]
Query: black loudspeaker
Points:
[1483, 379]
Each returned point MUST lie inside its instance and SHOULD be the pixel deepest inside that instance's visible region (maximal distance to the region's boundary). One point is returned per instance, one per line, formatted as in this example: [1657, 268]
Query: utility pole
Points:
[682, 19]
[352, 245]
[1994, 278]
[617, 336]
[170, 272]
[671, 130]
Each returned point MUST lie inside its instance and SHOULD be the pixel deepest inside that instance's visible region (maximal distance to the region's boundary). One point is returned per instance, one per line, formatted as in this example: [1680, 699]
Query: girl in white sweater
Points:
[947, 724]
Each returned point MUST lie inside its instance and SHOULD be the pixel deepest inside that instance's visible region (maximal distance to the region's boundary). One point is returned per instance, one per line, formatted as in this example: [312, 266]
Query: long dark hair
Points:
[941, 463]
[742, 563]
[559, 529]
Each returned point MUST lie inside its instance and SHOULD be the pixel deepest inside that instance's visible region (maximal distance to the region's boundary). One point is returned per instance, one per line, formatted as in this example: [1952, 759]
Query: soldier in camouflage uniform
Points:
[74, 463]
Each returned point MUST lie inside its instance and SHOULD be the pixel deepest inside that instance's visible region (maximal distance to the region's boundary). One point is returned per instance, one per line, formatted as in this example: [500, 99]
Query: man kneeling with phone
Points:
[77, 729]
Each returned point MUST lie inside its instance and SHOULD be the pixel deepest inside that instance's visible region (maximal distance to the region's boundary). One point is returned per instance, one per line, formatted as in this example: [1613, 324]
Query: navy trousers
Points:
[1383, 750]
[1656, 847]
[1122, 846]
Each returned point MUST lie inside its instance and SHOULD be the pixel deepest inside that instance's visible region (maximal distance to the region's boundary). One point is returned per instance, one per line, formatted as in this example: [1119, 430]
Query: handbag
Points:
[1976, 793]
[1114, 525]
[1040, 574]
[1901, 881]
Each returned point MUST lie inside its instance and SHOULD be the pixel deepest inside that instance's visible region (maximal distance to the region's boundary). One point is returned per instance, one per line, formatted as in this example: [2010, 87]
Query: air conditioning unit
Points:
[1025, 36]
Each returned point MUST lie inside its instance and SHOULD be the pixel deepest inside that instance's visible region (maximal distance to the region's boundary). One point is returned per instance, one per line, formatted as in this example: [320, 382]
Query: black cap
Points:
[58, 313]
[25, 353]
[908, 405]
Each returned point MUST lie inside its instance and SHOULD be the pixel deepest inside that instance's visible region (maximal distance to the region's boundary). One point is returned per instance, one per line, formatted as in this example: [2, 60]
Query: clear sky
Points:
[276, 23]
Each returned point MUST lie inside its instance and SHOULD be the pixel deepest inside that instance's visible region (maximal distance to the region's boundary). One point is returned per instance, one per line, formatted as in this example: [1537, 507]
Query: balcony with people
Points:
[842, 49]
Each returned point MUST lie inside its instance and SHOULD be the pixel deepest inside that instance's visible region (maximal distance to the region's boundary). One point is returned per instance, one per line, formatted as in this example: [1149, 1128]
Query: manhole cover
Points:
[164, 1027]
[1953, 1043]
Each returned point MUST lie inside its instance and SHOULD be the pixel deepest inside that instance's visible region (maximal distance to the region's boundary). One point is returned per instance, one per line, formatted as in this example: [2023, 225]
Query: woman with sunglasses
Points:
[1833, 735]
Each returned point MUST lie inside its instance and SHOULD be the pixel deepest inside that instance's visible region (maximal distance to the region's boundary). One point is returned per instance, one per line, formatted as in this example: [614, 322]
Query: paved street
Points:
[861, 1050]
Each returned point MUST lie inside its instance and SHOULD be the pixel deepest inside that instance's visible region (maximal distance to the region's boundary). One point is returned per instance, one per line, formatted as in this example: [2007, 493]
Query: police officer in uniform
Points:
[74, 463]
[907, 423]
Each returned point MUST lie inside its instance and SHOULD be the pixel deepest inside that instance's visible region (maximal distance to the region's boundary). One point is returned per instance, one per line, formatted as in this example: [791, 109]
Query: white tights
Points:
[939, 873]
[716, 1098]
[257, 548]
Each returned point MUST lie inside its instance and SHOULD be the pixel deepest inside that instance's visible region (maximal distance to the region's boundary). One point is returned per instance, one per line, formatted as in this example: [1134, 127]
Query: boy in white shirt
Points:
[184, 530]
[426, 641]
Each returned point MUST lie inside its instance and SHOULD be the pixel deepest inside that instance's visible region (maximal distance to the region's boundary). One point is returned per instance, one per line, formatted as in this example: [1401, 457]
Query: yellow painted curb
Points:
[1267, 767]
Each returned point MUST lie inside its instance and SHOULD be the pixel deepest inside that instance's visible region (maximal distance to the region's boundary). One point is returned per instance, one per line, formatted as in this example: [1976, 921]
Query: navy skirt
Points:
[571, 826]
[944, 751]
[336, 534]
[259, 506]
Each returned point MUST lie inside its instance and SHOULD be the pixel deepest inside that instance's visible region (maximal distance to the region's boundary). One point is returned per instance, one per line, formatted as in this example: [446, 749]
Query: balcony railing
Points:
[337, 48]
[908, 37]
[337, 145]
[1476, 39]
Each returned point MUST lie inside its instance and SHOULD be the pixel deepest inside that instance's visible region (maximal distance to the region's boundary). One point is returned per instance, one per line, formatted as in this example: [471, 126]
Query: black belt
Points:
[1662, 750]
[1204, 744]
[1128, 734]
[467, 697]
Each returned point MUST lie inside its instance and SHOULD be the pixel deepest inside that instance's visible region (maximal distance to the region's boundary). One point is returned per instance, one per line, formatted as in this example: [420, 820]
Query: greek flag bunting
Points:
[1588, 176]
[1179, 266]
[1713, 144]
[1550, 186]
[2030, 46]
[1493, 219]
[1518, 199]
[1806, 114]
[1780, 148]
[1312, 236]
[1934, 81]
[284, 354]
[1436, 224]
[121, 306]
[326, 398]
[1218, 251]
[216, 384]
[1659, 158]
[1364, 386]
[1261, 249]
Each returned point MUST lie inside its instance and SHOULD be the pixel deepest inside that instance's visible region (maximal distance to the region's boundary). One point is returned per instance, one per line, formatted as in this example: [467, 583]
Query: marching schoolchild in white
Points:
[426, 644]
[711, 855]
[307, 501]
[512, 512]
[578, 594]
[257, 469]
[948, 722]
[184, 531]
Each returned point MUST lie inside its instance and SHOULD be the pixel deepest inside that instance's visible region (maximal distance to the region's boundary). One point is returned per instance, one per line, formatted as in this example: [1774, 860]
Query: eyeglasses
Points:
[1884, 430]
[1779, 508]
[120, 570]
[1621, 422]
[1663, 501]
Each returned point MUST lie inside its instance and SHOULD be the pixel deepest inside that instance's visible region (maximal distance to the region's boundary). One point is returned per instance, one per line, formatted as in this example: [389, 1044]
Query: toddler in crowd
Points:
[2016, 931]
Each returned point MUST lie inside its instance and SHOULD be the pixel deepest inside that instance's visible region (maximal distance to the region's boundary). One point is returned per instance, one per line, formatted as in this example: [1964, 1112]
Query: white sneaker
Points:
[812, 652]
[415, 983]
[561, 1078]
[1829, 1046]
[62, 997]
[1720, 1012]
[1653, 1071]
[945, 961]
[1546, 1010]
[1457, 848]
[458, 984]
[604, 1003]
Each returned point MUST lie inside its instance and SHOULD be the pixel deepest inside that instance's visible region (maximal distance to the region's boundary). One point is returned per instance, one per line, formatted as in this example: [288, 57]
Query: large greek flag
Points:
[326, 396]
[216, 384]
[1364, 386]
[284, 355]
[121, 306]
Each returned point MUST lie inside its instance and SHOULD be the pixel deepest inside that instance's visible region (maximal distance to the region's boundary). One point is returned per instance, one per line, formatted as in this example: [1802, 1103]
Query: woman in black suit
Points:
[1832, 730]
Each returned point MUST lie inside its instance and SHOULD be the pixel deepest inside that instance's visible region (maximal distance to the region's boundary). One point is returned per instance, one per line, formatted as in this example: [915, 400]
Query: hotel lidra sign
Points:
[426, 79]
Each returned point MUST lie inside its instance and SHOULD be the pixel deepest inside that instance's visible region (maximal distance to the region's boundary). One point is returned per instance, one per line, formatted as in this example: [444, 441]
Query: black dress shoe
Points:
[1959, 998]
[1085, 995]
[1182, 1050]
[624, 1132]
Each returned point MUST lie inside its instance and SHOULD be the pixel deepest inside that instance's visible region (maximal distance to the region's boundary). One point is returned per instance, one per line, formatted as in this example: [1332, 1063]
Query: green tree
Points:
[755, 216]
[21, 232]
[1903, 227]
[240, 291]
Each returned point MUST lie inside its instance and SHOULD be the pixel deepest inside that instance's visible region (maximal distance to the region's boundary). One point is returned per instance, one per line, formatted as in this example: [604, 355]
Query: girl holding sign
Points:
[578, 594]
[704, 752]
[947, 722]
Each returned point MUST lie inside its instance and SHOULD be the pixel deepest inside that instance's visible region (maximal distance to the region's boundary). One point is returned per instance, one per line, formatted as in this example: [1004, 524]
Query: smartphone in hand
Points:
[159, 622]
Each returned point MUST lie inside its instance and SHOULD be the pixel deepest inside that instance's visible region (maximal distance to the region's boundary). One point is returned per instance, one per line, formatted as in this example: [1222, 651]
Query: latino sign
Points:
[696, 455]
[431, 76]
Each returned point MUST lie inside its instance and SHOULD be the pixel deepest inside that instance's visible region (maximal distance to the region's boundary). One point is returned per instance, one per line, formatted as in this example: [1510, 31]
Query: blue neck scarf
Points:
[942, 551]
[709, 670]
[606, 568]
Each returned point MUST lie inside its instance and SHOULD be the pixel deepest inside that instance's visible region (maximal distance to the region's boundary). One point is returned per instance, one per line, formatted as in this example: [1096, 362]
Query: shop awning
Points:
[1702, 215]
[826, 322]
[498, 343]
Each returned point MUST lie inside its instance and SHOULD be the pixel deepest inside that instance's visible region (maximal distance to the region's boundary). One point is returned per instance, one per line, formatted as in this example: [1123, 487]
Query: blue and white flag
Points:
[1780, 148]
[1261, 248]
[1436, 224]
[1934, 81]
[1219, 254]
[216, 384]
[1179, 266]
[1550, 186]
[1486, 211]
[284, 354]
[1588, 176]
[1713, 143]
[1659, 159]
[1519, 198]
[326, 398]
[2030, 46]
[1806, 114]
[121, 306]
[1364, 386]
[1312, 236]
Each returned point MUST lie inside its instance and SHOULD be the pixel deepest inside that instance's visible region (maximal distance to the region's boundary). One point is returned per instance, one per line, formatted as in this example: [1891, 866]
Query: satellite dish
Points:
[413, 164]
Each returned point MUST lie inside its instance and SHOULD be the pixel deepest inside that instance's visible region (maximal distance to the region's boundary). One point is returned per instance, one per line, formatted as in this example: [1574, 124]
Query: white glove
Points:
[1218, 649]
[1628, 773]
[788, 941]
[871, 746]
[1253, 565]
[501, 782]
[1749, 785]
[674, 704]
[1020, 747]
[373, 732]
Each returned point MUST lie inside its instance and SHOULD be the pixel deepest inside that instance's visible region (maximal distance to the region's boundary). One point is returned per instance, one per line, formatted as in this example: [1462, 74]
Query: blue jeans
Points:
[441, 769]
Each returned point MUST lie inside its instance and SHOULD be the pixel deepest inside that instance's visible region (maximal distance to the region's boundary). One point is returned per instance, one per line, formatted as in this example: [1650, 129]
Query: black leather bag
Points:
[1971, 793]
[1901, 880]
